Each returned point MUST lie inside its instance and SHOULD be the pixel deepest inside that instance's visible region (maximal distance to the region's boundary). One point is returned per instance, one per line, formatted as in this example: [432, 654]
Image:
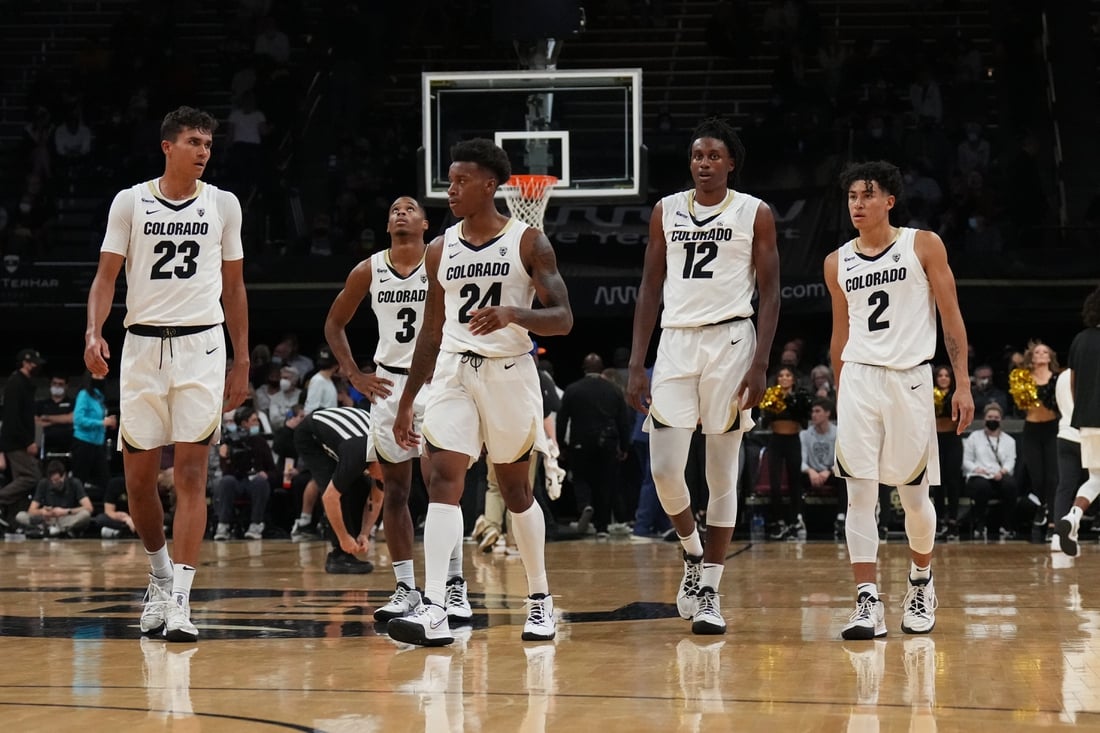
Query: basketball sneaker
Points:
[455, 600]
[584, 521]
[255, 531]
[403, 602]
[919, 607]
[1065, 530]
[177, 621]
[541, 624]
[687, 601]
[157, 598]
[488, 538]
[708, 615]
[426, 626]
[870, 667]
[221, 532]
[868, 621]
[301, 532]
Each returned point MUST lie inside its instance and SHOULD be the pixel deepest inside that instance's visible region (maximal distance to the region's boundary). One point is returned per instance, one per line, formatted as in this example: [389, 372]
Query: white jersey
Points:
[478, 277]
[709, 275]
[398, 304]
[174, 252]
[891, 309]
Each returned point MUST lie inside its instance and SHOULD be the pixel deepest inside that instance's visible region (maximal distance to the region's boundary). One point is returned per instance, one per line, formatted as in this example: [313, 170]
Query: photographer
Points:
[246, 463]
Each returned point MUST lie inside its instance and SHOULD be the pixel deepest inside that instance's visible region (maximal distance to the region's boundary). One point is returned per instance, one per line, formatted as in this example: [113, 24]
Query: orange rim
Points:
[532, 185]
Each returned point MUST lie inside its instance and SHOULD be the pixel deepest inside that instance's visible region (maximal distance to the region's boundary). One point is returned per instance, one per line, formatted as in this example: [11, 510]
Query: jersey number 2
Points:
[168, 250]
[697, 256]
[880, 299]
[472, 293]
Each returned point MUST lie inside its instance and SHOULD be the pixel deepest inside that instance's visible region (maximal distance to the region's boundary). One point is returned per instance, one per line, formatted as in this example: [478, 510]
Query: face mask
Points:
[254, 430]
[972, 223]
[284, 385]
[993, 424]
[276, 360]
[231, 427]
[982, 383]
[25, 207]
[59, 391]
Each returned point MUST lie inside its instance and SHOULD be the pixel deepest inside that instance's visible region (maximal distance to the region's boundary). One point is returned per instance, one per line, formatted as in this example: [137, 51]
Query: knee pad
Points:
[860, 525]
[723, 454]
[668, 452]
[920, 517]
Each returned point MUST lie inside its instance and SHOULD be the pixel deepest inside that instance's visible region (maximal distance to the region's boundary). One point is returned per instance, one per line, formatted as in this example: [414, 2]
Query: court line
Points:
[220, 716]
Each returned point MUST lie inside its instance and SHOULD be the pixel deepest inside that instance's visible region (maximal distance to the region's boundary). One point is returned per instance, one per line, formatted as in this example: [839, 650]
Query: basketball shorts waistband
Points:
[402, 371]
[167, 332]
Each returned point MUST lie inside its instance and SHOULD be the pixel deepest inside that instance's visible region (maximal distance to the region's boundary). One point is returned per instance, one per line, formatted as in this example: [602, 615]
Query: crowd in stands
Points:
[997, 482]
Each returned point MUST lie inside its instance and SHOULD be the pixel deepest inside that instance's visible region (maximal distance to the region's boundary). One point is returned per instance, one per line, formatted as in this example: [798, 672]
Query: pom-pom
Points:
[1022, 387]
[938, 396]
[773, 400]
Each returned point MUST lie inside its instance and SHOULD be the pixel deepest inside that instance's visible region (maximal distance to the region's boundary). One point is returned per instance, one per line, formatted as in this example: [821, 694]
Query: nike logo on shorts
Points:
[734, 343]
[915, 386]
[211, 351]
[509, 366]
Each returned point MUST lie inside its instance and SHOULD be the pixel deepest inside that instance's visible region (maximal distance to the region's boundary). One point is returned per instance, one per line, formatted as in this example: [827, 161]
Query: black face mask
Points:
[993, 424]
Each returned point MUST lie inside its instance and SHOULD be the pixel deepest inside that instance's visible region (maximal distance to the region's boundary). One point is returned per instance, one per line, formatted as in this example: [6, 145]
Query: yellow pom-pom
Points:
[773, 400]
[938, 396]
[1022, 387]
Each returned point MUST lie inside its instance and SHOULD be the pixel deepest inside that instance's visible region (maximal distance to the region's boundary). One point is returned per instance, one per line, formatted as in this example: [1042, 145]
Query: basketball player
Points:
[483, 275]
[398, 286]
[1084, 365]
[181, 242]
[710, 248]
[886, 285]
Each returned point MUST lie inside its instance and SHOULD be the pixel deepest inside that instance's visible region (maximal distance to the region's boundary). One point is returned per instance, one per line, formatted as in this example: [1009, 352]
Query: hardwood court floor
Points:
[285, 646]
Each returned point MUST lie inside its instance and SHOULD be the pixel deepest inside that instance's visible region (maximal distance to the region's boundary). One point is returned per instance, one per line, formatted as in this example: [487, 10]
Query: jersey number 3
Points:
[162, 269]
[880, 299]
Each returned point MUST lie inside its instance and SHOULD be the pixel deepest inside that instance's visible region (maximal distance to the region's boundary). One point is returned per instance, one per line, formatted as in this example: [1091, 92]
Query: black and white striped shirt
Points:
[334, 425]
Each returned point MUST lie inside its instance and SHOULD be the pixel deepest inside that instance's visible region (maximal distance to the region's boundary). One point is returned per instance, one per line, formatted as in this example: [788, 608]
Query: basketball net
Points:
[527, 196]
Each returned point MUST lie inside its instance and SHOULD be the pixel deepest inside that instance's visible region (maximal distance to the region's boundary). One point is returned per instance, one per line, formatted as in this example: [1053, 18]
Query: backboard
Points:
[583, 126]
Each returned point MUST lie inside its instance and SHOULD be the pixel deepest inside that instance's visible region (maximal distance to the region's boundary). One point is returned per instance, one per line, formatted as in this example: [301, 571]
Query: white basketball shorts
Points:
[382, 445]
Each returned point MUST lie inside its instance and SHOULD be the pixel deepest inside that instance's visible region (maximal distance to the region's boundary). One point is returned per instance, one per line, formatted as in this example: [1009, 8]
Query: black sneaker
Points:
[339, 562]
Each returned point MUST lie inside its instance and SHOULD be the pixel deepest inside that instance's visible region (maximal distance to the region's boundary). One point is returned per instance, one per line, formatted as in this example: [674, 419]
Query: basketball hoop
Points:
[527, 196]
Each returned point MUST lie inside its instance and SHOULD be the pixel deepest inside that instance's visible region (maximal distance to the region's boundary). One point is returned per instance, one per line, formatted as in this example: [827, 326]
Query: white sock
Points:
[918, 573]
[182, 577]
[692, 544]
[160, 563]
[442, 529]
[454, 568]
[404, 571]
[871, 588]
[529, 528]
[711, 575]
[304, 518]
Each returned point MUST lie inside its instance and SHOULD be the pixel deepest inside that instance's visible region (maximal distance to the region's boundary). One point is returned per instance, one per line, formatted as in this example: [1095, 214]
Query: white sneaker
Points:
[177, 621]
[868, 621]
[541, 624]
[255, 531]
[109, 534]
[426, 626]
[919, 607]
[403, 602]
[455, 600]
[1065, 531]
[222, 532]
[157, 597]
[870, 666]
[687, 601]
[920, 671]
[708, 615]
[300, 532]
[489, 538]
[799, 529]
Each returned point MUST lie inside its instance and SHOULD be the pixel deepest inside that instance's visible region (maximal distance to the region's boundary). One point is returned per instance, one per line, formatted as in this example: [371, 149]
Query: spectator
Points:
[984, 391]
[286, 353]
[973, 153]
[17, 439]
[114, 521]
[271, 43]
[286, 398]
[90, 424]
[55, 417]
[925, 99]
[321, 391]
[989, 459]
[261, 399]
[822, 383]
[247, 129]
[818, 443]
[73, 140]
[59, 504]
[247, 463]
[595, 417]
